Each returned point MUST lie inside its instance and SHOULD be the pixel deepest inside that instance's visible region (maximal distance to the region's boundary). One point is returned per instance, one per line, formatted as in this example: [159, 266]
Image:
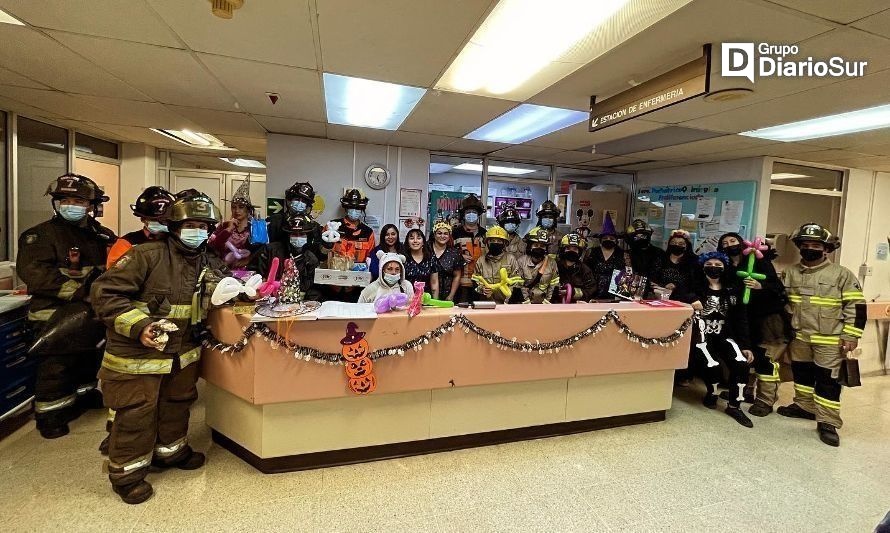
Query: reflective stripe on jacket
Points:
[822, 303]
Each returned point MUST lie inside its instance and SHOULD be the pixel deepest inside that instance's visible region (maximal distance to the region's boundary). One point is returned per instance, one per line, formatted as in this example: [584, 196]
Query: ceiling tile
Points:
[570, 156]
[617, 160]
[855, 141]
[675, 40]
[654, 165]
[821, 156]
[249, 81]
[878, 23]
[355, 134]
[8, 77]
[577, 136]
[221, 122]
[42, 59]
[524, 151]
[865, 162]
[454, 114]
[469, 146]
[707, 146]
[144, 135]
[168, 75]
[17, 106]
[844, 12]
[246, 145]
[58, 103]
[130, 113]
[275, 31]
[292, 126]
[132, 20]
[874, 149]
[401, 41]
[420, 140]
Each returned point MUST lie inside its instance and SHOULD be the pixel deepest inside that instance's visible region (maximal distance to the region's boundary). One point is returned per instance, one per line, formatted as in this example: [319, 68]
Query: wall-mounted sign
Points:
[691, 80]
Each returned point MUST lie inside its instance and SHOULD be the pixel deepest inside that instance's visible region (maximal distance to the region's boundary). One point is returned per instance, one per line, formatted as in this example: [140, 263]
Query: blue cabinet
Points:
[17, 368]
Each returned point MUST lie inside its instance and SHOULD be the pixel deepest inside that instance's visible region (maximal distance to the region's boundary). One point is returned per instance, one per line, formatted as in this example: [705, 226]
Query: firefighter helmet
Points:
[72, 185]
[354, 199]
[152, 203]
[302, 191]
[537, 234]
[815, 233]
[639, 226]
[193, 205]
[298, 224]
[509, 214]
[496, 232]
[548, 208]
[470, 202]
[572, 239]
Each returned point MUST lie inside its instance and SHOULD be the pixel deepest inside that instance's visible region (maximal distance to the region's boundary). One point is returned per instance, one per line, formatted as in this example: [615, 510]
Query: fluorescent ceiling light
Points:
[239, 162]
[494, 169]
[524, 46]
[787, 176]
[194, 139]
[526, 122]
[873, 118]
[439, 168]
[368, 103]
[6, 18]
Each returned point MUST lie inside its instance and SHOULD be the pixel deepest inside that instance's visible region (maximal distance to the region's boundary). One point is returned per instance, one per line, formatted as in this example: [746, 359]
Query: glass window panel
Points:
[42, 157]
[807, 177]
[451, 180]
[87, 144]
[4, 213]
[523, 185]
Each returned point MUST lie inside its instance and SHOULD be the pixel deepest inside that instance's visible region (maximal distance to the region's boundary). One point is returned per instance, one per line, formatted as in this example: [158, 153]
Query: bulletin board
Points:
[705, 210]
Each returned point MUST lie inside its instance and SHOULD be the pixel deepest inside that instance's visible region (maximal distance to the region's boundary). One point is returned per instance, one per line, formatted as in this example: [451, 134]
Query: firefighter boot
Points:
[134, 493]
[190, 460]
[828, 434]
[760, 409]
[795, 411]
[103, 446]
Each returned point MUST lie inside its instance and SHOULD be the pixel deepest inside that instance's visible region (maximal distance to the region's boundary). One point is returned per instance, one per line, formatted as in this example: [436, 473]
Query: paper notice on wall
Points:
[688, 223]
[704, 208]
[705, 245]
[672, 213]
[641, 211]
[373, 221]
[883, 251]
[710, 228]
[657, 233]
[731, 215]
[656, 214]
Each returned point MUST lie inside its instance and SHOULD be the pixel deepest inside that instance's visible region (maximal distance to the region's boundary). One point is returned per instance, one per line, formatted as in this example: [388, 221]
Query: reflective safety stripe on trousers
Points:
[804, 390]
[168, 450]
[133, 365]
[135, 464]
[825, 402]
[55, 405]
[771, 378]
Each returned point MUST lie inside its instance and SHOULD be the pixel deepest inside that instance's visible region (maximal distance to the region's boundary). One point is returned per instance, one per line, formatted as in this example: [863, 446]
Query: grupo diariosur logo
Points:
[783, 61]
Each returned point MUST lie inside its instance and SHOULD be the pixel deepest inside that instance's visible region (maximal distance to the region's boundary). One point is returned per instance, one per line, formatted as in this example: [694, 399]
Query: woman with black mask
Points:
[674, 271]
[766, 318]
[606, 258]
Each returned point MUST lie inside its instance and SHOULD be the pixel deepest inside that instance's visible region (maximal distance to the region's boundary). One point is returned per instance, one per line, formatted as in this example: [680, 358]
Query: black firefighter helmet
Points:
[153, 203]
[354, 199]
[814, 232]
[509, 214]
[72, 185]
[548, 210]
[470, 202]
[301, 191]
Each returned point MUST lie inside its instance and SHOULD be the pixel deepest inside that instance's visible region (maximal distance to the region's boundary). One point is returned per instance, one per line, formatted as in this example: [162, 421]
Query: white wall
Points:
[788, 210]
[332, 165]
[138, 171]
[750, 169]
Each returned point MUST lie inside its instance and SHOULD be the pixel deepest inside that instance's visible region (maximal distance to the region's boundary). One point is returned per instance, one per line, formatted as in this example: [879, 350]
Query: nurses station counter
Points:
[280, 413]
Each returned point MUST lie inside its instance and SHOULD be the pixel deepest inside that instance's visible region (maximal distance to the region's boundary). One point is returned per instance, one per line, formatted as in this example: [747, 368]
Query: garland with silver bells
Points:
[308, 353]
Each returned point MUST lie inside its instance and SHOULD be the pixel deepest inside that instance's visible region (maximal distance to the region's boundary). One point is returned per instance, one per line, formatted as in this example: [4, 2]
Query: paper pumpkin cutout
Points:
[363, 385]
[359, 368]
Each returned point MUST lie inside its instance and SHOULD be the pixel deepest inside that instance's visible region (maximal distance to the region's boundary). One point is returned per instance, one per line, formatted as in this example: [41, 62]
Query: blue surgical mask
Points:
[392, 279]
[471, 218]
[298, 242]
[154, 227]
[73, 213]
[354, 214]
[193, 237]
[546, 222]
[511, 227]
[298, 207]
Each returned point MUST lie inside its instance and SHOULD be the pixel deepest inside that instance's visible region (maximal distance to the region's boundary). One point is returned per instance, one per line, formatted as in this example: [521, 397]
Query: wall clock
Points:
[377, 176]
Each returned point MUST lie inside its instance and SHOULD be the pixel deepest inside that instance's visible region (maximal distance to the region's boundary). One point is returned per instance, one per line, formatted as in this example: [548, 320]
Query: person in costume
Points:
[150, 381]
[298, 231]
[58, 260]
[391, 279]
[548, 215]
[469, 239]
[231, 240]
[298, 200]
[573, 272]
[720, 342]
[767, 323]
[496, 257]
[449, 261]
[604, 259]
[643, 255]
[509, 219]
[356, 240]
[539, 270]
[151, 206]
[419, 263]
[674, 270]
[389, 243]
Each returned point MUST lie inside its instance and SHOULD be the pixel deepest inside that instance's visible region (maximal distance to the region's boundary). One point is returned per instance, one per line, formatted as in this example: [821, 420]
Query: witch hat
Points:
[352, 334]
[608, 226]
[242, 194]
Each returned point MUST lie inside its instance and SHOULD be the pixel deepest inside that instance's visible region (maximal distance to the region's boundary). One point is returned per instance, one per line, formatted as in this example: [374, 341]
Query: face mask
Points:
[608, 245]
[298, 242]
[391, 279]
[511, 227]
[713, 272]
[571, 255]
[495, 248]
[675, 249]
[640, 243]
[354, 214]
[154, 227]
[72, 213]
[193, 237]
[471, 218]
[537, 253]
[811, 255]
[546, 222]
[298, 207]
[733, 250]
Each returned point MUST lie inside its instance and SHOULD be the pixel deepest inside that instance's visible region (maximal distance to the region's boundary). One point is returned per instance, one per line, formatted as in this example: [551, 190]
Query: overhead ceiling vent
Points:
[660, 138]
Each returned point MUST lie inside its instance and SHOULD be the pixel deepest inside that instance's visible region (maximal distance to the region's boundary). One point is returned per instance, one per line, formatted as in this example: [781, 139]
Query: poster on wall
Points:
[672, 212]
[409, 203]
[444, 205]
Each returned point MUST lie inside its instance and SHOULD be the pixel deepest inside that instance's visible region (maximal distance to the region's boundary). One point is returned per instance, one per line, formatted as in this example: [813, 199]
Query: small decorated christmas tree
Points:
[289, 292]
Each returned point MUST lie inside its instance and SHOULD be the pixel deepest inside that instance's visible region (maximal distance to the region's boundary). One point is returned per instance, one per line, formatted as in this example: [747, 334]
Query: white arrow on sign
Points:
[275, 206]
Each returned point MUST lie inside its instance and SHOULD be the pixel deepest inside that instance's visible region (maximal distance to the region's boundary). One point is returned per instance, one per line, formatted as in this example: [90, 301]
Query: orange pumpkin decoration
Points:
[359, 368]
[354, 352]
[363, 385]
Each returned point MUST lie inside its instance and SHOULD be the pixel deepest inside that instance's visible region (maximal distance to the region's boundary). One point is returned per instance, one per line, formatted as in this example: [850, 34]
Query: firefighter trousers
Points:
[816, 388]
[151, 419]
[766, 369]
[712, 356]
[61, 380]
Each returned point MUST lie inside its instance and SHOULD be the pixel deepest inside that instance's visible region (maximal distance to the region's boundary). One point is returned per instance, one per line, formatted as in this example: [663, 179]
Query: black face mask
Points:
[495, 248]
[733, 250]
[713, 272]
[608, 245]
[640, 243]
[676, 250]
[571, 255]
[537, 253]
[810, 254]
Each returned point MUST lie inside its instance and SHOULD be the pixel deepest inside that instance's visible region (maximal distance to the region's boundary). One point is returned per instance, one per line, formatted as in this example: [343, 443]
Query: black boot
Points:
[103, 446]
[760, 409]
[748, 395]
[795, 411]
[190, 460]
[709, 401]
[828, 434]
[53, 431]
[135, 493]
[739, 416]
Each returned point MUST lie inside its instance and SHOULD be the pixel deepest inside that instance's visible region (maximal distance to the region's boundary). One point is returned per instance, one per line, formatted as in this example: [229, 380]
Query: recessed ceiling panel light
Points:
[524, 46]
[494, 169]
[6, 18]
[873, 118]
[247, 163]
[194, 139]
[368, 103]
[526, 122]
